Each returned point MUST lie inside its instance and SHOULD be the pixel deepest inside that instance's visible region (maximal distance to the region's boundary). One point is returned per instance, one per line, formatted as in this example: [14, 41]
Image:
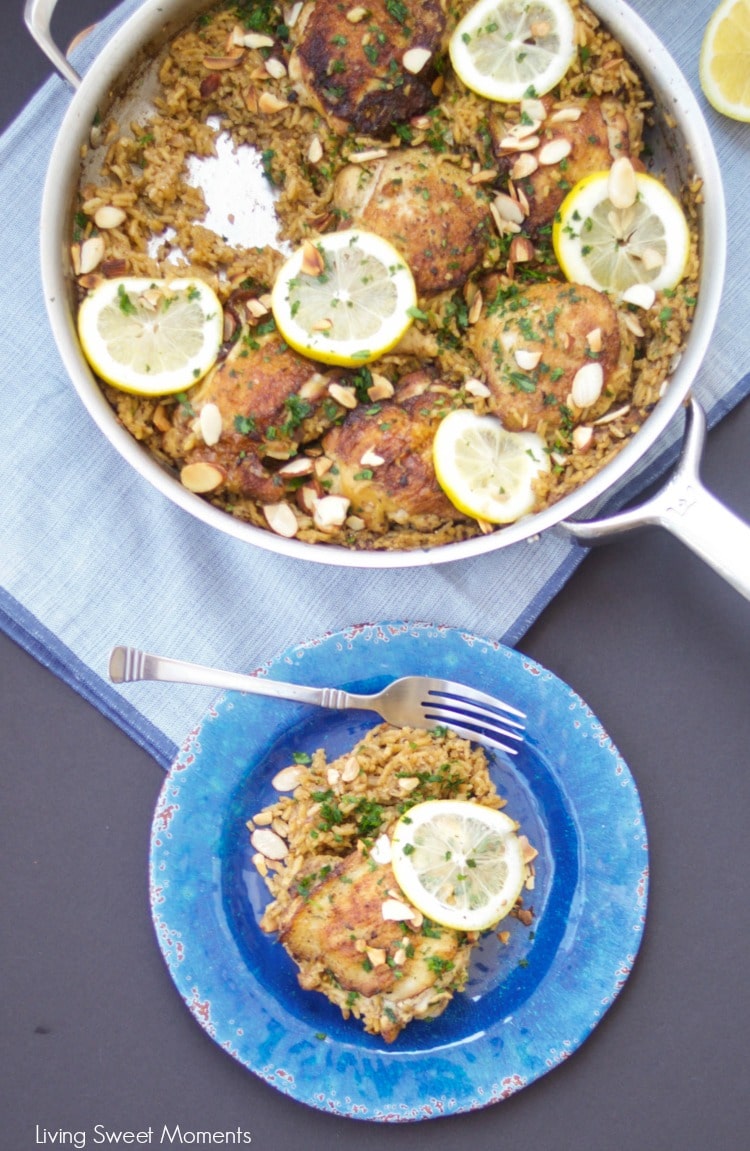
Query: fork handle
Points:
[129, 665]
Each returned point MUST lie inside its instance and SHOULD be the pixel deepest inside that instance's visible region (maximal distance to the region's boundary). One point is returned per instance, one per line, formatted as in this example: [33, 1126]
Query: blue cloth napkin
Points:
[92, 556]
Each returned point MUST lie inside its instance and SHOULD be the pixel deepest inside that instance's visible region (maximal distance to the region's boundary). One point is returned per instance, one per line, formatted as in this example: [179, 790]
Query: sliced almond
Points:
[381, 850]
[414, 59]
[527, 359]
[91, 254]
[368, 155]
[566, 115]
[301, 466]
[281, 519]
[483, 176]
[409, 783]
[323, 325]
[554, 151]
[524, 166]
[356, 14]
[521, 250]
[508, 208]
[269, 104]
[201, 477]
[622, 188]
[222, 63]
[350, 770]
[347, 397]
[210, 424]
[109, 217]
[631, 323]
[330, 512]
[376, 955]
[651, 259]
[315, 151]
[477, 388]
[641, 295]
[268, 843]
[533, 109]
[313, 263]
[524, 128]
[516, 144]
[256, 309]
[275, 68]
[314, 387]
[587, 385]
[288, 778]
[254, 39]
[397, 910]
[594, 340]
[371, 459]
[380, 389]
[582, 437]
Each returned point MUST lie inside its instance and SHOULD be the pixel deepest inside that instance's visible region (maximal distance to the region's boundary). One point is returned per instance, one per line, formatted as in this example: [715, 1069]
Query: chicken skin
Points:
[597, 136]
[532, 342]
[362, 67]
[425, 207]
[270, 400]
[383, 463]
[390, 971]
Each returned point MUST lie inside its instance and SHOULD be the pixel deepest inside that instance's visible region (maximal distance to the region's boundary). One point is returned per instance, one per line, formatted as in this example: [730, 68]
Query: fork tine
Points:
[460, 691]
[478, 734]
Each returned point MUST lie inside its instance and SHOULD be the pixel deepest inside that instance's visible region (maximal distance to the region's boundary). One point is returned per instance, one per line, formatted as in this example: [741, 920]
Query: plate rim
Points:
[349, 1102]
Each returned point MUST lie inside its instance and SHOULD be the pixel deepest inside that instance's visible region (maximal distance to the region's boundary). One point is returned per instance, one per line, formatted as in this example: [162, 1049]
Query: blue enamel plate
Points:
[530, 1001]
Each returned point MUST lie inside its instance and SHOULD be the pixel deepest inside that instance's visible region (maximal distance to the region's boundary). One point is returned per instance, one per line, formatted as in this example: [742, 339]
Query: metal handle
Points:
[38, 16]
[130, 665]
[686, 509]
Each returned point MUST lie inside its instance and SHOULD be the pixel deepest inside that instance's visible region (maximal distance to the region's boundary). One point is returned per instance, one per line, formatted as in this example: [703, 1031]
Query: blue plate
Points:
[528, 1004]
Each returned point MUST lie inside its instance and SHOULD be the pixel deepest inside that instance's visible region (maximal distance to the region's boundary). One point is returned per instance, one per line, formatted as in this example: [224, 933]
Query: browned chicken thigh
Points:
[533, 342]
[393, 970]
[367, 67]
[594, 130]
[269, 400]
[383, 463]
[427, 207]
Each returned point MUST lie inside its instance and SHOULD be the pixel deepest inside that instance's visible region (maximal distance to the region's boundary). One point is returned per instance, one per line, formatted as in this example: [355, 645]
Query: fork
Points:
[412, 701]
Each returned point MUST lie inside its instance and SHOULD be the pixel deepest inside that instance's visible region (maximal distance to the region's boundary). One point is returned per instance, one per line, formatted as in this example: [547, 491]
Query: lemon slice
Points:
[151, 337]
[507, 49]
[724, 67]
[345, 299]
[459, 863]
[485, 470]
[611, 249]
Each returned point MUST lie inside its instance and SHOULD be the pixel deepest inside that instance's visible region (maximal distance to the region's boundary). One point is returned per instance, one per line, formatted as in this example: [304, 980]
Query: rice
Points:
[324, 840]
[142, 166]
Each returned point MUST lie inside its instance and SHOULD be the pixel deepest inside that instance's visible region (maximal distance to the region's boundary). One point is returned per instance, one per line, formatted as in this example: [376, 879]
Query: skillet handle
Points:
[686, 509]
[38, 16]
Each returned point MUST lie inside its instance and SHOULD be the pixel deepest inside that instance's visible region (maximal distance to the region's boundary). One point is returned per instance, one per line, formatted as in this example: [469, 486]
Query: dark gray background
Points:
[91, 1028]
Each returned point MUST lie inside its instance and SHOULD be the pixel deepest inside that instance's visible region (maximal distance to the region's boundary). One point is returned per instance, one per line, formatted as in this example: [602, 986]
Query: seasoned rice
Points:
[336, 812]
[142, 167]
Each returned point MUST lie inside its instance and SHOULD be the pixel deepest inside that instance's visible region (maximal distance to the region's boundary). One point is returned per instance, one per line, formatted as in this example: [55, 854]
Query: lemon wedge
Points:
[485, 470]
[151, 337]
[346, 298]
[505, 50]
[459, 863]
[612, 248]
[724, 66]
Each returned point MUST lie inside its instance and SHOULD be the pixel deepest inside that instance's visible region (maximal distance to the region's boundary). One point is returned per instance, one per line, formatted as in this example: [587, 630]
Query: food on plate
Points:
[404, 268]
[725, 59]
[325, 851]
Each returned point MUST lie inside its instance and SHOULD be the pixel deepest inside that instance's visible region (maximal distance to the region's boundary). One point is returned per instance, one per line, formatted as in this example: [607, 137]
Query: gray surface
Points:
[91, 1029]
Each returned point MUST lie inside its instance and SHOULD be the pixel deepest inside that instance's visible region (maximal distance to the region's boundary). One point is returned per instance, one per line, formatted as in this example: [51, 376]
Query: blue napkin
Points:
[92, 556]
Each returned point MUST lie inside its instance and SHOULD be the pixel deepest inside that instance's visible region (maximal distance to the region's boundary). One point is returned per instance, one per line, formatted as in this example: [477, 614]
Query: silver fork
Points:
[413, 701]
